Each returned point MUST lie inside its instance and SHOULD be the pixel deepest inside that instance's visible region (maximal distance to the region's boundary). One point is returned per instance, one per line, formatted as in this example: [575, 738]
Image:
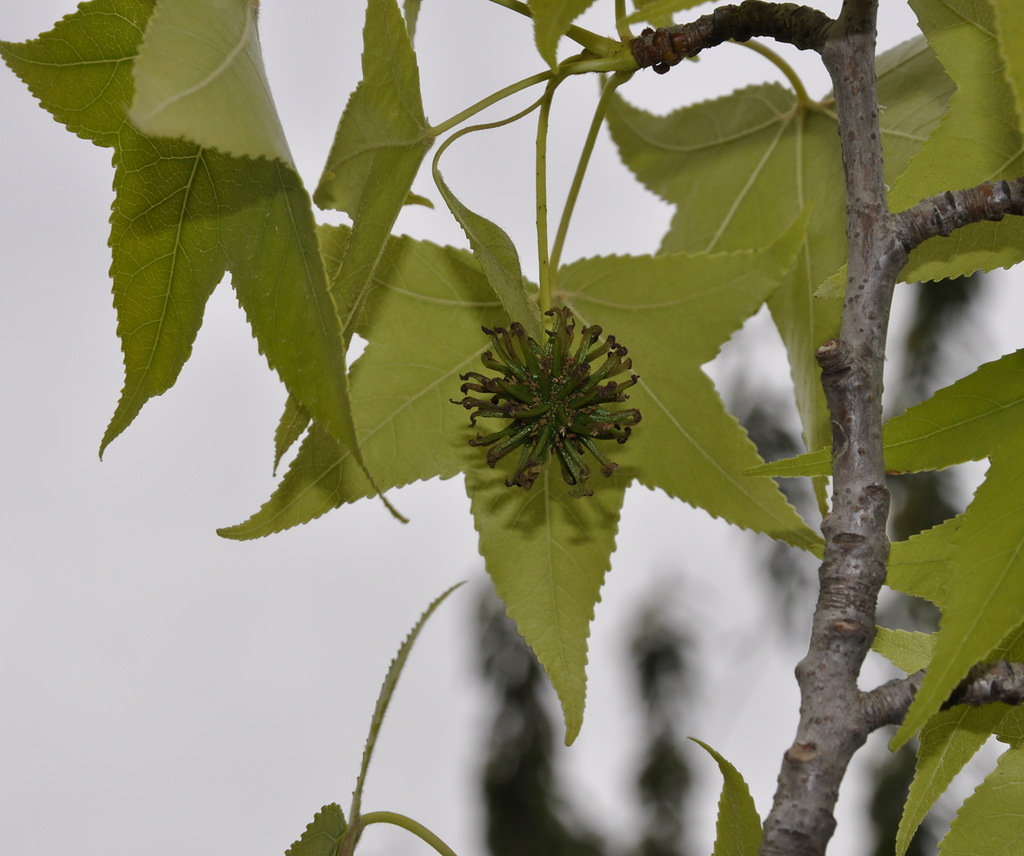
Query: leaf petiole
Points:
[613, 83]
[620, 23]
[407, 823]
[546, 271]
[490, 100]
[776, 59]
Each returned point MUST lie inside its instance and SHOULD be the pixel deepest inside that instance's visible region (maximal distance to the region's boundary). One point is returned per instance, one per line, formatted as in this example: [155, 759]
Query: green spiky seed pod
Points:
[553, 399]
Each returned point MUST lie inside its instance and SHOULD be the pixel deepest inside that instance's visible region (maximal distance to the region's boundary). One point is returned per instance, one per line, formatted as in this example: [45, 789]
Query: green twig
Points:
[621, 26]
[613, 83]
[407, 823]
[490, 100]
[546, 271]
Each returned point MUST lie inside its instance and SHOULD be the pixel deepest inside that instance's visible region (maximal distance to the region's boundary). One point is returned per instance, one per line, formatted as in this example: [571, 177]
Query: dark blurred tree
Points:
[525, 809]
[525, 813]
[660, 652]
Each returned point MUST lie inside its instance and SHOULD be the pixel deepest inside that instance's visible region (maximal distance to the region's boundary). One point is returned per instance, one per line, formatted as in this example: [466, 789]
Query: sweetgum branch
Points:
[801, 26]
[1000, 682]
[835, 716]
[940, 216]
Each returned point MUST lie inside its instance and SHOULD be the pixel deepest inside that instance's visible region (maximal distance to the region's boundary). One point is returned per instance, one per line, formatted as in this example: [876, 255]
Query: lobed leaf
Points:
[949, 740]
[983, 121]
[1010, 33]
[674, 312]
[199, 74]
[323, 835]
[499, 259]
[738, 827]
[739, 166]
[182, 216]
[991, 821]
[378, 148]
[551, 19]
[546, 551]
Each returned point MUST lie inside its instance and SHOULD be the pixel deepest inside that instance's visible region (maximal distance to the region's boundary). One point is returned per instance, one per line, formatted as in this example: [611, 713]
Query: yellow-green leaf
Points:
[949, 740]
[547, 552]
[991, 821]
[380, 142]
[199, 74]
[551, 18]
[182, 216]
[982, 121]
[739, 166]
[1010, 34]
[323, 835]
[738, 827]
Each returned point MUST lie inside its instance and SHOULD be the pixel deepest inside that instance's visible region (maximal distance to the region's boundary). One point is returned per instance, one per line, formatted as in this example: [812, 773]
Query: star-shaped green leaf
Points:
[185, 213]
[547, 552]
[739, 166]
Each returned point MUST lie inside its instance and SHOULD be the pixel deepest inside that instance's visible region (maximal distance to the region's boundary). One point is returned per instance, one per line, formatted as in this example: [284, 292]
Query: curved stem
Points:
[620, 21]
[613, 83]
[490, 100]
[546, 271]
[776, 59]
[486, 126]
[407, 823]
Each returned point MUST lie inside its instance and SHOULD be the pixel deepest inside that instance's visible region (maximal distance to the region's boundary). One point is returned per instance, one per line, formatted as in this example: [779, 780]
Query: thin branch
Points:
[833, 723]
[999, 682]
[941, 215]
[801, 26]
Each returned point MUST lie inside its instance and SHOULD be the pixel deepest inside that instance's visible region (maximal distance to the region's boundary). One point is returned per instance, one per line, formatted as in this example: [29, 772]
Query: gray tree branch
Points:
[800, 26]
[941, 215]
[835, 716]
[999, 682]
